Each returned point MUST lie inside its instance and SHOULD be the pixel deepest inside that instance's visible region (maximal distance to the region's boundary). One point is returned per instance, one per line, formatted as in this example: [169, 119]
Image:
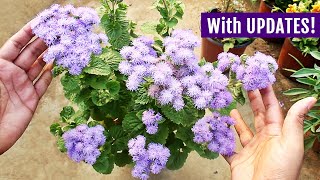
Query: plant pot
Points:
[285, 61]
[264, 7]
[210, 49]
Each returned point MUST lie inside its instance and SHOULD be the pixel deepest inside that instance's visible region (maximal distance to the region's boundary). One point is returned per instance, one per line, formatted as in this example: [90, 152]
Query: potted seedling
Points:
[211, 47]
[309, 77]
[304, 49]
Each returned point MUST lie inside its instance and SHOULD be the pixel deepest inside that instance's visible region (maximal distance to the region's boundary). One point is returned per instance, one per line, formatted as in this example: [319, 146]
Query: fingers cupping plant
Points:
[142, 101]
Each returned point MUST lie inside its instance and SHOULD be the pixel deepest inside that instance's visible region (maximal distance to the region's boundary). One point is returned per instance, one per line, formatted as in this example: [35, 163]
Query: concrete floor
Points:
[35, 155]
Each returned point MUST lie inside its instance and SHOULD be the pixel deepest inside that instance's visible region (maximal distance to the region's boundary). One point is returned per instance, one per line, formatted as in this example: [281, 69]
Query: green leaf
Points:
[227, 46]
[315, 54]
[179, 154]
[122, 159]
[226, 111]
[186, 117]
[119, 137]
[113, 87]
[111, 57]
[104, 164]
[304, 72]
[149, 28]
[66, 113]
[71, 86]
[98, 66]
[307, 81]
[161, 136]
[56, 129]
[142, 97]
[172, 22]
[308, 142]
[237, 94]
[100, 97]
[57, 70]
[96, 82]
[131, 123]
[60, 145]
[295, 91]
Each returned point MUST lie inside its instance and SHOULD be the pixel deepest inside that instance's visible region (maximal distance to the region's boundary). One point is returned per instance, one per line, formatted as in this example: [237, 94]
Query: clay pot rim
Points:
[237, 46]
[290, 40]
[268, 5]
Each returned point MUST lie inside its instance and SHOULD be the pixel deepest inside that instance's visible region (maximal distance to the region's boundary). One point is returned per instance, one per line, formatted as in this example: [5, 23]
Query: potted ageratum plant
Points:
[309, 77]
[304, 49]
[211, 47]
[142, 101]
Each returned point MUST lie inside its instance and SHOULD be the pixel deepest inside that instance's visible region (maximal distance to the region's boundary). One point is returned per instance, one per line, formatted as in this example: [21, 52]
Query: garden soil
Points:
[35, 155]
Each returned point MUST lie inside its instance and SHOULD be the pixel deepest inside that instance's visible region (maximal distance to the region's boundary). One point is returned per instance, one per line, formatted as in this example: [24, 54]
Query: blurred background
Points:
[35, 155]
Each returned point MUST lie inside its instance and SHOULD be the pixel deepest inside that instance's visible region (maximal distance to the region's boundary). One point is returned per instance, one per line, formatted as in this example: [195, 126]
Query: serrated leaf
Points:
[122, 159]
[131, 123]
[113, 87]
[179, 154]
[56, 129]
[71, 86]
[98, 66]
[104, 164]
[161, 136]
[119, 137]
[149, 28]
[111, 57]
[100, 97]
[66, 113]
[172, 22]
[186, 117]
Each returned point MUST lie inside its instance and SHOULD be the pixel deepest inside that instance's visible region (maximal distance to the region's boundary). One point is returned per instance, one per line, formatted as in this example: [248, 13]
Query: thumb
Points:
[293, 123]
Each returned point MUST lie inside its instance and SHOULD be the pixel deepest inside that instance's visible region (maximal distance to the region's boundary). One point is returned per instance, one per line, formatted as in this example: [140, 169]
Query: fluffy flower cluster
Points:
[228, 61]
[68, 32]
[151, 119]
[175, 73]
[83, 143]
[150, 160]
[215, 132]
[257, 72]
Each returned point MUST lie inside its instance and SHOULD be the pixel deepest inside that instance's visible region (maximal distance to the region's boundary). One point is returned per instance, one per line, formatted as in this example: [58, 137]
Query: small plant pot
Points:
[210, 49]
[265, 7]
[285, 61]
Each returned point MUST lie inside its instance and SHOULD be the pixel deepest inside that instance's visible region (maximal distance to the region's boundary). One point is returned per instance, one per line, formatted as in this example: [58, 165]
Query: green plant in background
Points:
[306, 45]
[311, 78]
[229, 43]
[278, 5]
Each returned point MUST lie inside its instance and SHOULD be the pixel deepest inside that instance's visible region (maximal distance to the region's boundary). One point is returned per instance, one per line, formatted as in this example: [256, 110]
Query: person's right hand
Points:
[276, 150]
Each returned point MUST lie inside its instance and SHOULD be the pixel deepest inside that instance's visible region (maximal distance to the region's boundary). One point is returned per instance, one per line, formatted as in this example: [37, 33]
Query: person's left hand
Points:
[24, 78]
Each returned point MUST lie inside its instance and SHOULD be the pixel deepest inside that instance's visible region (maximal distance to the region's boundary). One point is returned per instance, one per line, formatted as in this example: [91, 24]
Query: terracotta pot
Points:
[264, 7]
[285, 61]
[211, 48]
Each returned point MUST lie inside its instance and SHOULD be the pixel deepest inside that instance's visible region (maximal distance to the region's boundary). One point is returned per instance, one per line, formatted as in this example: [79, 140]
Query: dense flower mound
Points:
[68, 32]
[215, 132]
[228, 61]
[83, 143]
[147, 160]
[151, 119]
[257, 72]
[176, 73]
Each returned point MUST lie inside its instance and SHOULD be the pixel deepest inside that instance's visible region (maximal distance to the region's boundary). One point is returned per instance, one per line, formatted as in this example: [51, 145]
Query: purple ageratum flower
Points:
[214, 131]
[150, 118]
[257, 72]
[228, 60]
[68, 32]
[174, 74]
[83, 143]
[147, 160]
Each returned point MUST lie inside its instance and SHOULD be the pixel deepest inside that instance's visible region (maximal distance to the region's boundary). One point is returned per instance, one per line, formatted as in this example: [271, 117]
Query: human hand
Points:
[276, 150]
[21, 87]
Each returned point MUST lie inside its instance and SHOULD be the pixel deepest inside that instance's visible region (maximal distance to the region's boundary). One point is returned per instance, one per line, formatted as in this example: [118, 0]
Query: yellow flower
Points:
[316, 7]
[292, 8]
